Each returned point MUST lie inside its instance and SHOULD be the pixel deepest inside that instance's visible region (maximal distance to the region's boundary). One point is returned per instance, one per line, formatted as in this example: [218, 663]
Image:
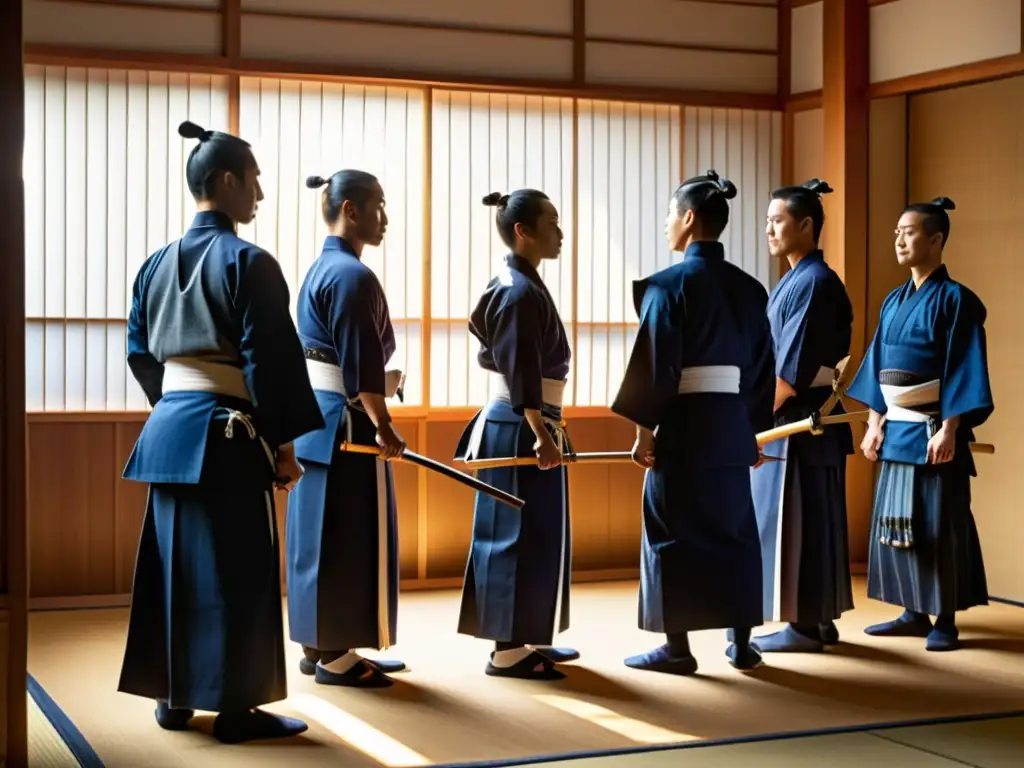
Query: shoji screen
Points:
[744, 146]
[628, 167]
[104, 188]
[300, 129]
[484, 143]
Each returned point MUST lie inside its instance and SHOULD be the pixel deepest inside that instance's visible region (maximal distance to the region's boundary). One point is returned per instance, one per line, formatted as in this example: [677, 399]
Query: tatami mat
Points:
[446, 711]
[46, 748]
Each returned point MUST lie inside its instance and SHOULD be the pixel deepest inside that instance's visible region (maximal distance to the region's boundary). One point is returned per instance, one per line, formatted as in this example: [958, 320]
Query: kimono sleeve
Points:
[517, 344]
[966, 389]
[651, 380]
[352, 308]
[146, 369]
[286, 407]
[803, 338]
[865, 387]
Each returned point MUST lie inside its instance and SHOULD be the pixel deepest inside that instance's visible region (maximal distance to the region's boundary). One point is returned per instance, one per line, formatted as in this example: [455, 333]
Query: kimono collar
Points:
[939, 274]
[705, 250]
[520, 264]
[335, 243]
[810, 258]
[214, 219]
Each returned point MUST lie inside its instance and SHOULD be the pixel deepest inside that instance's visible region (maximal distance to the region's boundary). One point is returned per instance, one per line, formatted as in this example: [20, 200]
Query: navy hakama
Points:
[342, 526]
[518, 572]
[801, 500]
[207, 583]
[210, 337]
[927, 363]
[699, 555]
[805, 549]
[517, 575]
[701, 375]
[941, 570]
[343, 594]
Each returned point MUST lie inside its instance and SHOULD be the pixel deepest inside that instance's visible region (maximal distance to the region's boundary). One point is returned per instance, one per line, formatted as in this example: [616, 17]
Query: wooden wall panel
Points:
[537, 16]
[194, 29]
[84, 529]
[439, 51]
[947, 33]
[685, 22]
[968, 144]
[887, 196]
[806, 55]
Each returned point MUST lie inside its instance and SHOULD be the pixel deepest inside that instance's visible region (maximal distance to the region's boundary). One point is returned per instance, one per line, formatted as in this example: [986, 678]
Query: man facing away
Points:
[213, 346]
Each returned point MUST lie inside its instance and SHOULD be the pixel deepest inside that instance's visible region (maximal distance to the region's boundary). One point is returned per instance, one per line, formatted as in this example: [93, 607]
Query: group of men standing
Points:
[243, 402]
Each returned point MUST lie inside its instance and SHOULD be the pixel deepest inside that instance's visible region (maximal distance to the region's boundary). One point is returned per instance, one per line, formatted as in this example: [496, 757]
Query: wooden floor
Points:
[444, 710]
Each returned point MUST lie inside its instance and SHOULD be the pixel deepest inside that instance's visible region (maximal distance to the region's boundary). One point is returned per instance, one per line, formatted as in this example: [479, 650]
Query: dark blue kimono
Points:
[516, 587]
[927, 363]
[701, 372]
[212, 343]
[801, 501]
[342, 527]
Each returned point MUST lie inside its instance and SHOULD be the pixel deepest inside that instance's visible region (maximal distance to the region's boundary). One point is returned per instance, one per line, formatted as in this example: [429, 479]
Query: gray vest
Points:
[179, 318]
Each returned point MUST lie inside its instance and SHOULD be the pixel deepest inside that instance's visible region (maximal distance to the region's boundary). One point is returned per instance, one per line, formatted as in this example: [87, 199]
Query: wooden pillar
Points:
[845, 106]
[13, 537]
[231, 48]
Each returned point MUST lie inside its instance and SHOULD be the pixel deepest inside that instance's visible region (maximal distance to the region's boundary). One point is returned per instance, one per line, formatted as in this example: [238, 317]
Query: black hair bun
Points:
[315, 182]
[729, 190]
[818, 187]
[944, 203]
[189, 130]
[493, 199]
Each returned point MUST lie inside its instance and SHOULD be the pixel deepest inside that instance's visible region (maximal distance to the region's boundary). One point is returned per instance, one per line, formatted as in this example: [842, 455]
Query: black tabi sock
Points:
[498, 647]
[741, 637]
[812, 631]
[679, 644]
[946, 623]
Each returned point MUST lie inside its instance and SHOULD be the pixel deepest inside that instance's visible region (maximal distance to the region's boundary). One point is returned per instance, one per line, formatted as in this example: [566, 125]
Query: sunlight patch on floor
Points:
[636, 730]
[357, 733]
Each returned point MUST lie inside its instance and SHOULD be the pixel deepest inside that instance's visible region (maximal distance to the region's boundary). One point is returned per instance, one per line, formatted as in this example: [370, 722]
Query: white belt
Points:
[552, 391]
[326, 377]
[823, 378]
[900, 400]
[193, 374]
[724, 379]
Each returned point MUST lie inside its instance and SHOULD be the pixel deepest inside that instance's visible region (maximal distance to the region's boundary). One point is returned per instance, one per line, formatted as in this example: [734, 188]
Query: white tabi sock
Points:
[343, 664]
[511, 657]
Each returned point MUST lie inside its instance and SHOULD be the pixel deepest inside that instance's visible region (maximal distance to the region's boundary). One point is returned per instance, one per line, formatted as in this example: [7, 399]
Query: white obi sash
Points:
[193, 374]
[552, 390]
[552, 395]
[899, 401]
[724, 379]
[326, 377]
